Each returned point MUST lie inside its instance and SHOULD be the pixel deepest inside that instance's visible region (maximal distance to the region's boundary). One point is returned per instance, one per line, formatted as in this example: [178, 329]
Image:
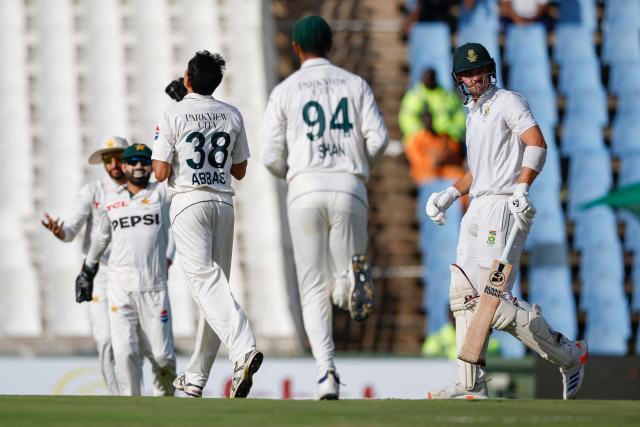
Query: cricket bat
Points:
[480, 326]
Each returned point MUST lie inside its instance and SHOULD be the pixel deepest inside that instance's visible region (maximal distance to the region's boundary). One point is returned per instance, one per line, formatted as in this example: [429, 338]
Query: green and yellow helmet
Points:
[467, 57]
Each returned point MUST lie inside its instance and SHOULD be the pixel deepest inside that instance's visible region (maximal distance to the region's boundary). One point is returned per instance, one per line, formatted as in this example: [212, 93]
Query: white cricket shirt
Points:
[494, 149]
[201, 137]
[322, 119]
[87, 202]
[138, 228]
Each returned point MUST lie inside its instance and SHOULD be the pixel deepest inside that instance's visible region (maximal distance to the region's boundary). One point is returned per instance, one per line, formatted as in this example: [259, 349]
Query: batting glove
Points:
[438, 204]
[84, 282]
[521, 207]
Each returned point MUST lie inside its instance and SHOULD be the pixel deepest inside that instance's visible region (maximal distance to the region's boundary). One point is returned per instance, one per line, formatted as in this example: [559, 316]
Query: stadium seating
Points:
[19, 293]
[587, 106]
[635, 273]
[543, 104]
[579, 76]
[580, 137]
[620, 45]
[483, 14]
[593, 227]
[430, 46]
[16, 130]
[624, 134]
[526, 44]
[578, 12]
[106, 83]
[573, 43]
[622, 14]
[527, 78]
[628, 103]
[623, 78]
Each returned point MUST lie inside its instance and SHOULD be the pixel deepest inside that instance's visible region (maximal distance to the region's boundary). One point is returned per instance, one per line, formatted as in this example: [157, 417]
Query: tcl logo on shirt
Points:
[134, 220]
[116, 205]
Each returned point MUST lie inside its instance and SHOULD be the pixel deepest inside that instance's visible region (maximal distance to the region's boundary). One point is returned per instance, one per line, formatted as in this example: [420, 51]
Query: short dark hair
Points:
[205, 71]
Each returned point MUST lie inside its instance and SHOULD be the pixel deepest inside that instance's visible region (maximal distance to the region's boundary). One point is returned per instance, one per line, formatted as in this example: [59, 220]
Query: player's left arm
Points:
[240, 152]
[376, 137]
[274, 128]
[164, 143]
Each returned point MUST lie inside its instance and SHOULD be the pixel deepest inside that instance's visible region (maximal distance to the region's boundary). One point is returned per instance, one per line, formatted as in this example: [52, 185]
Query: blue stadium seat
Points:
[628, 104]
[543, 104]
[549, 227]
[579, 137]
[587, 106]
[550, 179]
[629, 173]
[430, 46]
[573, 43]
[578, 12]
[589, 178]
[623, 78]
[526, 44]
[594, 227]
[550, 286]
[530, 78]
[620, 45]
[622, 14]
[483, 14]
[602, 277]
[624, 135]
[579, 76]
[608, 328]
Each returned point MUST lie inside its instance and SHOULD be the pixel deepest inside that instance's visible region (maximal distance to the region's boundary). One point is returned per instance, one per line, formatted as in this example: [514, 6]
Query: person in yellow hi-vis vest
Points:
[445, 107]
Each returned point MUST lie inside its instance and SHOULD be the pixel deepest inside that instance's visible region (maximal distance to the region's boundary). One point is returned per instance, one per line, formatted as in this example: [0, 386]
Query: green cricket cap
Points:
[313, 34]
[136, 150]
[470, 56]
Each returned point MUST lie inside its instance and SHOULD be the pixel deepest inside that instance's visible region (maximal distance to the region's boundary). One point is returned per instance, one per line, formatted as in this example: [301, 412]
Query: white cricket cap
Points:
[113, 143]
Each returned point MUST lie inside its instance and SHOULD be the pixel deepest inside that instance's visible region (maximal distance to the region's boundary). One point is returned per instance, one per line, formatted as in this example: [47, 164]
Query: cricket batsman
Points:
[506, 151]
[323, 132]
[200, 145]
[135, 220]
[88, 201]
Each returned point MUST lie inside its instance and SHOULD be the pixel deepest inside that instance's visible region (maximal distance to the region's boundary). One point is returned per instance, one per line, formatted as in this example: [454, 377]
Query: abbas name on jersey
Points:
[209, 178]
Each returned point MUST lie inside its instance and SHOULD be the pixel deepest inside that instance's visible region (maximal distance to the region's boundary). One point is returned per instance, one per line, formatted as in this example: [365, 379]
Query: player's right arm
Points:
[373, 128]
[163, 147]
[463, 185]
[274, 143]
[438, 203]
[80, 211]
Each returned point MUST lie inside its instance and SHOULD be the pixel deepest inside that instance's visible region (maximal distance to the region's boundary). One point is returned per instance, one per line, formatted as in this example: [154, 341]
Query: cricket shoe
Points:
[191, 390]
[456, 391]
[243, 373]
[362, 297]
[572, 377]
[329, 386]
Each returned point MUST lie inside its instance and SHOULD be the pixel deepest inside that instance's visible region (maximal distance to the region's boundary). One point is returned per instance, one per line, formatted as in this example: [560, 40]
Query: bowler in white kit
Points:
[135, 220]
[200, 144]
[506, 151]
[323, 132]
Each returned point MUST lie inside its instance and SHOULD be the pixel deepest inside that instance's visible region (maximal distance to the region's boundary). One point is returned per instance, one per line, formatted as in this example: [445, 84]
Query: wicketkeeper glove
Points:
[176, 89]
[438, 204]
[521, 207]
[84, 282]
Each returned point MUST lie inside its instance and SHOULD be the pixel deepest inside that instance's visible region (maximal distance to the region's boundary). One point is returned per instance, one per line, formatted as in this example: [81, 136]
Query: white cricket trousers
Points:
[327, 229]
[202, 224]
[101, 329]
[141, 325]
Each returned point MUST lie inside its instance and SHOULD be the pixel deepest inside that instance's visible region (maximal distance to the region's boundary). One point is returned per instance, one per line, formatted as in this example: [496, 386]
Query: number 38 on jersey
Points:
[209, 153]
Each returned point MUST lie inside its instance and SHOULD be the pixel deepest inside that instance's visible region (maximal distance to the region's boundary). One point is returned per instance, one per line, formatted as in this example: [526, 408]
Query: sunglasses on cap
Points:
[132, 161]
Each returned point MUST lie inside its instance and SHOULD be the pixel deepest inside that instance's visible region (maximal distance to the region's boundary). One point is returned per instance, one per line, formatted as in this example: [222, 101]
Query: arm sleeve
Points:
[240, 151]
[274, 143]
[164, 140]
[100, 239]
[373, 128]
[80, 212]
[518, 115]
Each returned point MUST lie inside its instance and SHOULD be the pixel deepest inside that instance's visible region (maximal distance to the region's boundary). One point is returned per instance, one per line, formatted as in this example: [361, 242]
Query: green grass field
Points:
[147, 411]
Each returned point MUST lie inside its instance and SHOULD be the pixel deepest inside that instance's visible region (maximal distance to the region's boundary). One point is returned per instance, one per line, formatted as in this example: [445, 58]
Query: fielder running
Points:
[323, 133]
[135, 219]
[89, 200]
[506, 151]
[200, 144]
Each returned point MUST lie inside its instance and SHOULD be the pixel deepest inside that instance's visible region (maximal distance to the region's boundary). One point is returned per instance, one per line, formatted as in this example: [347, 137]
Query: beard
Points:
[116, 173]
[138, 177]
